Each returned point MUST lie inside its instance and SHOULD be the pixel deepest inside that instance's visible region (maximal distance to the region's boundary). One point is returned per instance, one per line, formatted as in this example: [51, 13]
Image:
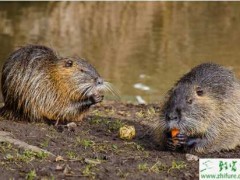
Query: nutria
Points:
[37, 84]
[205, 106]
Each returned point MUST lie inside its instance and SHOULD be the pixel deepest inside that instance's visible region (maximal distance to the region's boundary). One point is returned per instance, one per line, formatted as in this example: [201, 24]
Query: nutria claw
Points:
[171, 145]
[176, 142]
[97, 98]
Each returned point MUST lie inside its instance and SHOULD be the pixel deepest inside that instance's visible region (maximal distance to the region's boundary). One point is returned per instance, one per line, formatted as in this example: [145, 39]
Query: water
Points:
[140, 47]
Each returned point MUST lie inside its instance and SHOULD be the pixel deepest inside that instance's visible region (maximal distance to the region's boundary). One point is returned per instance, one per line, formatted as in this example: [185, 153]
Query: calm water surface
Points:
[140, 47]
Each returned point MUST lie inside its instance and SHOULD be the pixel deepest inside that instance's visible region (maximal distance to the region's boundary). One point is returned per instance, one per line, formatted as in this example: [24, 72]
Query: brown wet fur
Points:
[212, 117]
[38, 85]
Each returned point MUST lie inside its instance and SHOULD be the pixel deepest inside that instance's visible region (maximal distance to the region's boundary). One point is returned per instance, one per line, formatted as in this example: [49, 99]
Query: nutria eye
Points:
[200, 92]
[189, 101]
[69, 63]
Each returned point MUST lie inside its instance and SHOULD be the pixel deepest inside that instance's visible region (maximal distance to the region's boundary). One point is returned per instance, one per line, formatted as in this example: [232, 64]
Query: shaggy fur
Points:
[206, 106]
[39, 85]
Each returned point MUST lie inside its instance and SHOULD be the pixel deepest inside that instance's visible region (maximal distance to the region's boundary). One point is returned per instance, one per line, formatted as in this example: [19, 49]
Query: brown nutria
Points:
[39, 85]
[204, 105]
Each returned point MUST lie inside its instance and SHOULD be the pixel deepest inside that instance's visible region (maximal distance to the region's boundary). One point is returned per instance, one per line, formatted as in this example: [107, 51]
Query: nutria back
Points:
[204, 106]
[37, 84]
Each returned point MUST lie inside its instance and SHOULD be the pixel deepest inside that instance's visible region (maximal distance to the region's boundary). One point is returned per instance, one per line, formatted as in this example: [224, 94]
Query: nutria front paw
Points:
[175, 143]
[192, 142]
[96, 98]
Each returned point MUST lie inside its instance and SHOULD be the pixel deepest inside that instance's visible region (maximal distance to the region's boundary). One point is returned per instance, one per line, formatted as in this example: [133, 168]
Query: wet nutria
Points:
[205, 106]
[39, 85]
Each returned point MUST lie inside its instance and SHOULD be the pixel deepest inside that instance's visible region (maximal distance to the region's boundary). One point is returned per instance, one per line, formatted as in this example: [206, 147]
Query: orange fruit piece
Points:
[174, 132]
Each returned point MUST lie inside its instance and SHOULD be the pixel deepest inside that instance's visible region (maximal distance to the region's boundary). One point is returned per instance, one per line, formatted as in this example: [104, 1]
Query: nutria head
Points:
[198, 98]
[76, 78]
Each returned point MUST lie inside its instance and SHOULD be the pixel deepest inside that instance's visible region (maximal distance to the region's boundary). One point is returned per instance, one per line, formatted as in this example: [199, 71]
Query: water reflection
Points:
[146, 43]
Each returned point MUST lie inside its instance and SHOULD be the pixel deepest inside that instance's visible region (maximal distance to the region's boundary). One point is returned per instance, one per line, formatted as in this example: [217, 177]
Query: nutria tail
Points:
[204, 106]
[37, 84]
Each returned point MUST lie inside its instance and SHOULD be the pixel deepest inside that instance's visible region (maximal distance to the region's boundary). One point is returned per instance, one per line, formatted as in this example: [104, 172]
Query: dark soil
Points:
[94, 150]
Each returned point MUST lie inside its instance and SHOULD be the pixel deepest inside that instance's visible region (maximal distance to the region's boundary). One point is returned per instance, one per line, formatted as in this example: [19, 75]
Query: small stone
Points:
[188, 174]
[71, 126]
[92, 161]
[122, 113]
[59, 158]
[191, 157]
[67, 170]
[59, 167]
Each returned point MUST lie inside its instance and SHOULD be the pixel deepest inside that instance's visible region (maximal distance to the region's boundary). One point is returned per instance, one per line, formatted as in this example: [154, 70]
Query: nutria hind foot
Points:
[70, 127]
[63, 125]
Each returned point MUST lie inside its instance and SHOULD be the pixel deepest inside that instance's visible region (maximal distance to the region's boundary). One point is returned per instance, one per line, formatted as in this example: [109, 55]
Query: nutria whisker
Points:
[88, 90]
[81, 89]
[85, 91]
[84, 86]
[111, 89]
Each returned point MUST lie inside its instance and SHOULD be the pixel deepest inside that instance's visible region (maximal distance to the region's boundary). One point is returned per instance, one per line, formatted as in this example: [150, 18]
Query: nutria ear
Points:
[68, 63]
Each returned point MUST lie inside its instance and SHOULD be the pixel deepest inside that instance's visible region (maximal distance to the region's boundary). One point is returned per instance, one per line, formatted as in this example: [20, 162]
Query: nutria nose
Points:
[174, 115]
[99, 81]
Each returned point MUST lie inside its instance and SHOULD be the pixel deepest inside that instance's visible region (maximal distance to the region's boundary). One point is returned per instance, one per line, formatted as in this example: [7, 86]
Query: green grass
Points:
[87, 143]
[106, 112]
[158, 167]
[148, 114]
[31, 175]
[39, 155]
[177, 165]
[45, 143]
[72, 155]
[89, 171]
[112, 125]
[114, 146]
[151, 112]
[134, 146]
[143, 167]
[121, 174]
[115, 125]
[140, 114]
[26, 157]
